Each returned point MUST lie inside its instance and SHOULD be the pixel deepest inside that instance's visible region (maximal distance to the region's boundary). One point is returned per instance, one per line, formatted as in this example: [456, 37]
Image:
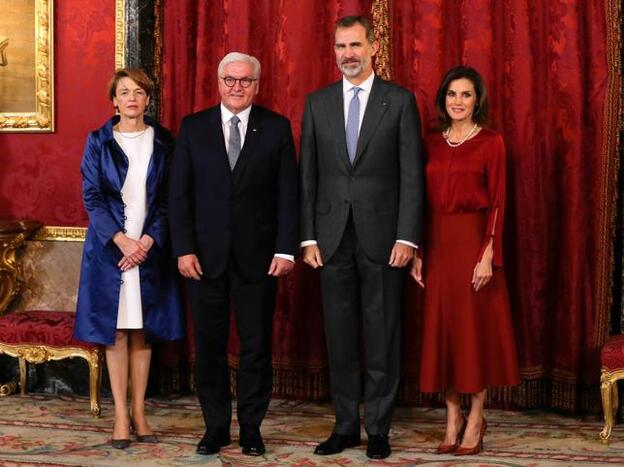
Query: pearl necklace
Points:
[447, 133]
[125, 135]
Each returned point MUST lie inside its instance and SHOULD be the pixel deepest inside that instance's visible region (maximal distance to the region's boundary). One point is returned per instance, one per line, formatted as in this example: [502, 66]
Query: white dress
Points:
[138, 147]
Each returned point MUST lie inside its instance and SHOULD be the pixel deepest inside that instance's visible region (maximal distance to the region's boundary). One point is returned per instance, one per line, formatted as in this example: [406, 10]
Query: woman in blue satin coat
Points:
[128, 294]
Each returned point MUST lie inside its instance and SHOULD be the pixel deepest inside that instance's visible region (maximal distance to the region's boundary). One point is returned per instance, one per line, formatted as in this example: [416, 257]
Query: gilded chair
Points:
[38, 336]
[612, 370]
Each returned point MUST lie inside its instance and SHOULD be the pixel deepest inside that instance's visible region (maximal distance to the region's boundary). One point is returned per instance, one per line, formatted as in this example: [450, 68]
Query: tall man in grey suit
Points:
[361, 214]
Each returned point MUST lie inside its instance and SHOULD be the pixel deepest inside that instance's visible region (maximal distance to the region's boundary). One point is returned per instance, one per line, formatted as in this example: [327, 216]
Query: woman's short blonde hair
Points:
[135, 74]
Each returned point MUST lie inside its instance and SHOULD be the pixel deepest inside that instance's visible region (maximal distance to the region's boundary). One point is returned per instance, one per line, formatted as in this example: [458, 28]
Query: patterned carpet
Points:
[59, 431]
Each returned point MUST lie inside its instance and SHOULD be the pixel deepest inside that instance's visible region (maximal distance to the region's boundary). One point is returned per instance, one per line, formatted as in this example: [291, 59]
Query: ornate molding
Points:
[60, 234]
[120, 33]
[43, 353]
[382, 23]
[12, 235]
[42, 118]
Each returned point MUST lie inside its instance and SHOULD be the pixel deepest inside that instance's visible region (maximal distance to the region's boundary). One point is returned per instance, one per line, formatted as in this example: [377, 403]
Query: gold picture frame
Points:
[37, 114]
[120, 34]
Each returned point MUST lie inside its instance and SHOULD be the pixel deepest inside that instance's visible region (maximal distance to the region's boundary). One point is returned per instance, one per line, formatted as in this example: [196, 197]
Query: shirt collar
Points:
[226, 115]
[365, 85]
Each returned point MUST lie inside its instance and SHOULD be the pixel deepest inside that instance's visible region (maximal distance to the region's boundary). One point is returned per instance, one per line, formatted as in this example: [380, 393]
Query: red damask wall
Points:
[40, 173]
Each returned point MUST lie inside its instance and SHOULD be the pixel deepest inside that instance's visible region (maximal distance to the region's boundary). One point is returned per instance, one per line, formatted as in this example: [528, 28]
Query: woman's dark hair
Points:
[135, 74]
[480, 114]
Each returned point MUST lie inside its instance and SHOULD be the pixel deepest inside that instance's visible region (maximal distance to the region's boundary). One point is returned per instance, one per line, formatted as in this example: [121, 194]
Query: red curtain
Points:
[553, 87]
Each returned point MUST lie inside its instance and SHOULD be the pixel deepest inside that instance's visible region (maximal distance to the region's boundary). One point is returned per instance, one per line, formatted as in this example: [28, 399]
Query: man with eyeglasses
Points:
[233, 214]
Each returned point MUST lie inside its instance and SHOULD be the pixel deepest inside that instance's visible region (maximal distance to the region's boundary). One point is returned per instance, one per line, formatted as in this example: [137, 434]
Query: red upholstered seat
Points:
[52, 328]
[612, 354]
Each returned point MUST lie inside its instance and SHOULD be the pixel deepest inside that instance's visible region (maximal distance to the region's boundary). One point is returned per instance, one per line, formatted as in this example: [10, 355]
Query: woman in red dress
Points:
[468, 341]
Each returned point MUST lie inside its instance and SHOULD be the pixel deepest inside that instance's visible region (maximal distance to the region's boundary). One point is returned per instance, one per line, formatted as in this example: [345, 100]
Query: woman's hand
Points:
[133, 250]
[416, 271]
[482, 273]
[147, 242]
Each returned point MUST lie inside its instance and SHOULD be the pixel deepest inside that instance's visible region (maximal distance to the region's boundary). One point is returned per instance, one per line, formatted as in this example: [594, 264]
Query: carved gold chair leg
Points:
[615, 399]
[610, 401]
[23, 372]
[95, 380]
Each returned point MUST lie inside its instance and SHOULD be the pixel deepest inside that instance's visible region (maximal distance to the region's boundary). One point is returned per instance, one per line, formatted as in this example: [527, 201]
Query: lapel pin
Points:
[253, 129]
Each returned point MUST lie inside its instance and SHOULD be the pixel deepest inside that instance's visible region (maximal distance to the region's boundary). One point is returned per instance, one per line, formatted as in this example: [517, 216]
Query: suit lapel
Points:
[213, 139]
[254, 130]
[334, 110]
[375, 109]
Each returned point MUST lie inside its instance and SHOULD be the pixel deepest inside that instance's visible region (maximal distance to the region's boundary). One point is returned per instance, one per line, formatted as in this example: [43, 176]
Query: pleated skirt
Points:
[468, 339]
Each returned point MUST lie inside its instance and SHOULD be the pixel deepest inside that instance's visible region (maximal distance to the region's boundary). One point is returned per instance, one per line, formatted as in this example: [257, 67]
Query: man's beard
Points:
[352, 71]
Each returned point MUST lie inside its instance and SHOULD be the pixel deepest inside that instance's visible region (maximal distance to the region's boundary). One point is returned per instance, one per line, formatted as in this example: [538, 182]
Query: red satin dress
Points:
[468, 340]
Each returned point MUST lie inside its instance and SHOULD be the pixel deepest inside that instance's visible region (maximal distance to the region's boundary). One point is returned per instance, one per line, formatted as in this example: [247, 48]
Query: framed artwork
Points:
[26, 66]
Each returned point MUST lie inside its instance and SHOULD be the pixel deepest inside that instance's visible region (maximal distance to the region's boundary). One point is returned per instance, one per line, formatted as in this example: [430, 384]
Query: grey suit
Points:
[356, 212]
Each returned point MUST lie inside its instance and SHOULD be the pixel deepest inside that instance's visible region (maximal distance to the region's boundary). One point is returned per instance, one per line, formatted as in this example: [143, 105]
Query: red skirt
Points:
[468, 340]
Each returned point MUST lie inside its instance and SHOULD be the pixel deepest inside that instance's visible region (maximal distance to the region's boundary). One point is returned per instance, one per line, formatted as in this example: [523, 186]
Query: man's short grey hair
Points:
[239, 57]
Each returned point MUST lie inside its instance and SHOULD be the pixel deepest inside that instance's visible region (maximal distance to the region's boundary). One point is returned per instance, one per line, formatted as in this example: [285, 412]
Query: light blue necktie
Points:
[353, 124]
[234, 144]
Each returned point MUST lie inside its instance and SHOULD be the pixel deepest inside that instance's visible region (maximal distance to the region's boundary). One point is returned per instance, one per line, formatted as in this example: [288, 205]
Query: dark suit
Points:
[234, 221]
[356, 212]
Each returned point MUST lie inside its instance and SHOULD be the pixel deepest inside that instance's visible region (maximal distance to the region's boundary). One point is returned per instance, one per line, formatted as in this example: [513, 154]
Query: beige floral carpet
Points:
[59, 431]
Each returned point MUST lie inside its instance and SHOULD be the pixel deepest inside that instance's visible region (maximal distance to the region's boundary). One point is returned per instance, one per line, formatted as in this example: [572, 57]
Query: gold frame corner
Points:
[41, 120]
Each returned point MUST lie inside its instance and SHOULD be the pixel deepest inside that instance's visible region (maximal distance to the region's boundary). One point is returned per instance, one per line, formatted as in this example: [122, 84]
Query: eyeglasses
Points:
[244, 82]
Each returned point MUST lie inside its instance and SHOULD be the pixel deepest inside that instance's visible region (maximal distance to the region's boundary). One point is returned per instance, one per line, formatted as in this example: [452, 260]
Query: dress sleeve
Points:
[495, 186]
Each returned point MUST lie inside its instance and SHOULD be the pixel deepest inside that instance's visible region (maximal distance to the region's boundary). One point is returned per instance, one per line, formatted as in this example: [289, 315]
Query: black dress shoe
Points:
[120, 443]
[212, 442]
[251, 441]
[337, 443]
[378, 447]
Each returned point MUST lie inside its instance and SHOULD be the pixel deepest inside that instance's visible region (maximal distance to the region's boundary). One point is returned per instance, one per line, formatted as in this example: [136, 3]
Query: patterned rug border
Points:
[291, 419]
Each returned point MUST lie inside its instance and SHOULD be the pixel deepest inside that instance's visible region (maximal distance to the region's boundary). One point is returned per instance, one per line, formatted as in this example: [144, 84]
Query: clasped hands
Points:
[400, 255]
[134, 251]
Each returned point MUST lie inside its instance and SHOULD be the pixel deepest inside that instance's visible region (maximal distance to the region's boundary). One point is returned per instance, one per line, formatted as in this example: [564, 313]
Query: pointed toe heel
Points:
[475, 449]
[450, 448]
[149, 439]
[120, 443]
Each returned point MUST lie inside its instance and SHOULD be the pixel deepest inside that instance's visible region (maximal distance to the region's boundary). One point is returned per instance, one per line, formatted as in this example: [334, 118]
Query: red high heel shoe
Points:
[475, 449]
[449, 448]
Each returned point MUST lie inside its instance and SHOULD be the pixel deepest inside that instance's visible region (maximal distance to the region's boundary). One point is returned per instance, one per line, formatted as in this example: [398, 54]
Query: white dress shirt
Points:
[347, 94]
[226, 116]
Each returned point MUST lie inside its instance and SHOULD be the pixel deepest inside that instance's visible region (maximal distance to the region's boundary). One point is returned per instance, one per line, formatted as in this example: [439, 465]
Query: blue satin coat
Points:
[104, 168]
